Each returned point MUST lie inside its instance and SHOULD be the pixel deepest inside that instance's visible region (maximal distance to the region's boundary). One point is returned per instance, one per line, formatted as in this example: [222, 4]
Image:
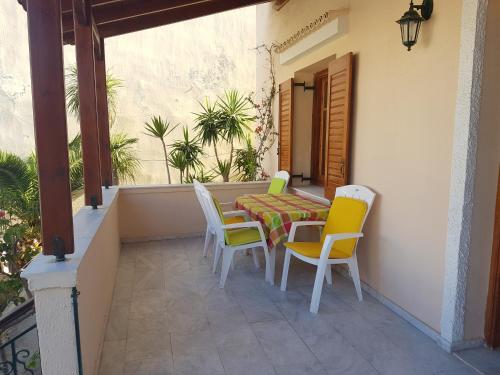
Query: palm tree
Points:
[190, 149]
[158, 128]
[208, 126]
[226, 120]
[124, 160]
[73, 100]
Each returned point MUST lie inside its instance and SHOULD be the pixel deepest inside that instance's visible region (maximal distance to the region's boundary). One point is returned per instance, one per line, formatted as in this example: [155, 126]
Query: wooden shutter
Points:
[285, 140]
[339, 123]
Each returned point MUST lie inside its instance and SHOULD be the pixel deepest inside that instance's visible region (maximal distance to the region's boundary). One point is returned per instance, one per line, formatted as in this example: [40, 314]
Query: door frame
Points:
[316, 128]
[492, 326]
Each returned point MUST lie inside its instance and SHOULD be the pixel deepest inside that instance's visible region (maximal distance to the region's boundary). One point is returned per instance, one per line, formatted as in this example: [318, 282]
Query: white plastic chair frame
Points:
[324, 263]
[210, 231]
[228, 250]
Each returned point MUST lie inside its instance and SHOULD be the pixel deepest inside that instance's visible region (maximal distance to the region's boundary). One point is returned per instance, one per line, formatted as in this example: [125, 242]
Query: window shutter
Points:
[285, 126]
[339, 123]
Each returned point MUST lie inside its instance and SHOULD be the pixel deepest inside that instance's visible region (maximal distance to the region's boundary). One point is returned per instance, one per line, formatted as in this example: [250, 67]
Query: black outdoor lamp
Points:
[411, 20]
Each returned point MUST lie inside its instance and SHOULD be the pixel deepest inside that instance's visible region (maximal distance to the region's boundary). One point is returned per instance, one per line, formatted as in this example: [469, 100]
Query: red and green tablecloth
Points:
[277, 212]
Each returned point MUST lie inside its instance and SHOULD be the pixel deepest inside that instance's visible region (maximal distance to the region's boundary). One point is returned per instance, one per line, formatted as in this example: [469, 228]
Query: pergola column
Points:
[84, 45]
[49, 117]
[103, 116]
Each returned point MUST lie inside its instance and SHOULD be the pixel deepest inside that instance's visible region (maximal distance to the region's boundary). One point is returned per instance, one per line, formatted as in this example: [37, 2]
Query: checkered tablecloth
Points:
[277, 212]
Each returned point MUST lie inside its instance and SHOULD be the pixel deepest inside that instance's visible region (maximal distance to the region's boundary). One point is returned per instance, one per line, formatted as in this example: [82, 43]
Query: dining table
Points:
[277, 212]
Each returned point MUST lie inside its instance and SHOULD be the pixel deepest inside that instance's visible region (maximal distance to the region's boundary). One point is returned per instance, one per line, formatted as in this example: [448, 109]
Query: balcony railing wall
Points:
[128, 214]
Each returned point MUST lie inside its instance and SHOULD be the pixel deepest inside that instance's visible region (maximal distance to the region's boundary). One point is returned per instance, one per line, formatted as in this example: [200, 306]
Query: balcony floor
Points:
[170, 317]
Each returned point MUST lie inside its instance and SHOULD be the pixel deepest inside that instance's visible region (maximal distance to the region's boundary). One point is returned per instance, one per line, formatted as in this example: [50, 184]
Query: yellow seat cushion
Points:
[277, 186]
[237, 237]
[346, 216]
[312, 249]
[234, 220]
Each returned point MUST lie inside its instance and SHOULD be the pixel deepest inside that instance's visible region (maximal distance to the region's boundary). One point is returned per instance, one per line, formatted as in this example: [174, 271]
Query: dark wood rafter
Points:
[126, 16]
[49, 116]
[103, 118]
[278, 4]
[84, 36]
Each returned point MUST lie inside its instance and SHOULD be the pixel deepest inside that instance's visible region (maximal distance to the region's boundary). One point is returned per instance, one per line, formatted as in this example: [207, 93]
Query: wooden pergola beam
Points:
[49, 117]
[111, 12]
[84, 46]
[165, 17]
[103, 118]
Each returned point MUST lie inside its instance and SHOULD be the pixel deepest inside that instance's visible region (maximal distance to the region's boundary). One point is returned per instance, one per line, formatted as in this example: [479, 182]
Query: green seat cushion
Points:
[277, 186]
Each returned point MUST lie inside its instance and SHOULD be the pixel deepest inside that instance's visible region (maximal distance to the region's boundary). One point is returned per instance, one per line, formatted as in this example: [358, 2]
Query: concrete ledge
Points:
[44, 272]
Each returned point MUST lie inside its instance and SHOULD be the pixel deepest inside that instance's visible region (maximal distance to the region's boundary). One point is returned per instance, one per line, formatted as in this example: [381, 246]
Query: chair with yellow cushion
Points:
[338, 241]
[230, 217]
[233, 237]
[279, 183]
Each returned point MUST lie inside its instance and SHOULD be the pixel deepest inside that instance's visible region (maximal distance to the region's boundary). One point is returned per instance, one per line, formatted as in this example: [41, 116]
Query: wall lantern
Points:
[411, 20]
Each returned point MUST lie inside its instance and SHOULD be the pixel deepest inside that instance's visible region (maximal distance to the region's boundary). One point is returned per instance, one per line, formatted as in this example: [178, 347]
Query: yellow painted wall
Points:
[488, 162]
[403, 119]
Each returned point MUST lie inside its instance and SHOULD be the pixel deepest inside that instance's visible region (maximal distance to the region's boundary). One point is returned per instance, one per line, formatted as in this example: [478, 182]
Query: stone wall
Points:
[165, 71]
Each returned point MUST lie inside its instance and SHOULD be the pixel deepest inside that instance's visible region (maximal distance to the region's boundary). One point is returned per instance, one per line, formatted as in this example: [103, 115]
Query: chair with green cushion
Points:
[279, 183]
[234, 237]
[338, 242]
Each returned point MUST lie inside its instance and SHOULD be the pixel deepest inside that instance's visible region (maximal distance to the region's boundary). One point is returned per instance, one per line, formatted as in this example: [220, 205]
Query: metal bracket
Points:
[301, 176]
[58, 251]
[74, 296]
[93, 202]
[303, 84]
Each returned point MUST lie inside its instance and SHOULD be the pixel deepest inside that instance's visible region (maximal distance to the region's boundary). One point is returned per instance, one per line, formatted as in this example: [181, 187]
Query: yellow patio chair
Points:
[338, 242]
[234, 237]
[279, 183]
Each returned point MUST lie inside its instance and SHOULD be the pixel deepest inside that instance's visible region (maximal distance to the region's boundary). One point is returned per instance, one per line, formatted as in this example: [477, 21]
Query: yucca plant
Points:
[227, 120]
[178, 161]
[191, 150]
[161, 129]
[245, 162]
[201, 176]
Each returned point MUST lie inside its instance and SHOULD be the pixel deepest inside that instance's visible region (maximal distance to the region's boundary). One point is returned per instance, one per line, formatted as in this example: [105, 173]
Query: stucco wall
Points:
[96, 277]
[156, 212]
[488, 162]
[403, 118]
[165, 70]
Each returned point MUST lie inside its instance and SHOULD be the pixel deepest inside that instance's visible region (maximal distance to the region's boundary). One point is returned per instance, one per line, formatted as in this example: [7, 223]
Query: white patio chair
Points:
[234, 237]
[338, 242]
[279, 182]
[230, 217]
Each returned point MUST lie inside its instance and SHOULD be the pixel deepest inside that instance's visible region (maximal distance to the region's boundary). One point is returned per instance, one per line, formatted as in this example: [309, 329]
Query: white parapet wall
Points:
[91, 269]
[167, 211]
[127, 214]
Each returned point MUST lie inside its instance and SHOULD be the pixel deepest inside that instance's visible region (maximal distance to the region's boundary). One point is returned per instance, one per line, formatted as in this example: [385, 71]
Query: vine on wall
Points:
[265, 132]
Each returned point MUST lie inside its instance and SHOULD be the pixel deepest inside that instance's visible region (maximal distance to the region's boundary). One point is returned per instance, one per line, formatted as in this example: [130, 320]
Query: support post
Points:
[84, 45]
[49, 116]
[103, 117]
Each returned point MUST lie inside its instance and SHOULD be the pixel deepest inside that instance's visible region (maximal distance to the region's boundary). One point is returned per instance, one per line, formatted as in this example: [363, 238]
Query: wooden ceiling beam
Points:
[166, 17]
[110, 12]
[67, 5]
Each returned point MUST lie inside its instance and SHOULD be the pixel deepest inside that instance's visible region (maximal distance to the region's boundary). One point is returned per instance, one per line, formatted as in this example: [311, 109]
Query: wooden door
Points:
[340, 74]
[320, 125]
[492, 328]
[285, 140]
